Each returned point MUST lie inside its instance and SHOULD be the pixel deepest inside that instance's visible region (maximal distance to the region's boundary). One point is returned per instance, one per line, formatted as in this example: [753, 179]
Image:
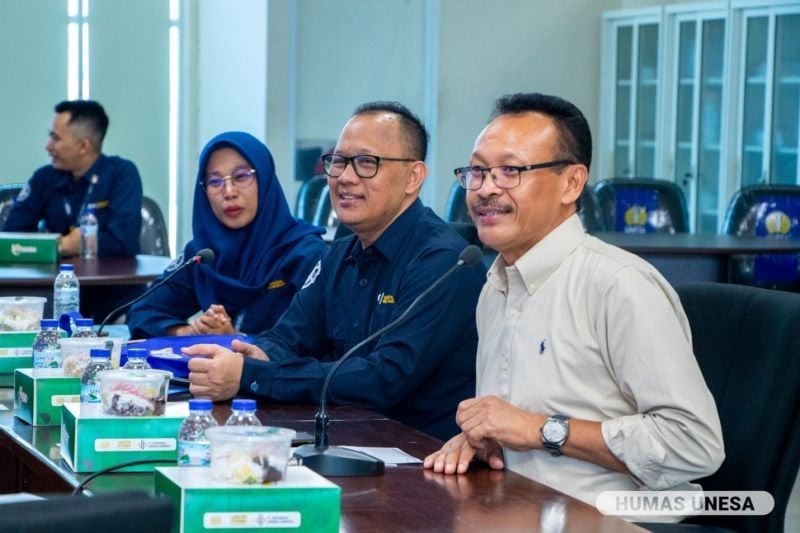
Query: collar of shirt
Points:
[68, 181]
[390, 243]
[538, 263]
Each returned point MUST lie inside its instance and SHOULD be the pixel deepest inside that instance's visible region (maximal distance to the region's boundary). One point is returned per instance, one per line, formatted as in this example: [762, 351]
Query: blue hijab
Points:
[245, 259]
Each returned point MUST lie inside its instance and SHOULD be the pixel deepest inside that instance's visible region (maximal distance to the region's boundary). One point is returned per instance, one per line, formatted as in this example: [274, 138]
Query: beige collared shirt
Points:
[584, 329]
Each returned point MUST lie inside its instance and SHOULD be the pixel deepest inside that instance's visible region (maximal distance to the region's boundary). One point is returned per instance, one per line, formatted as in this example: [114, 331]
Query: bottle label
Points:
[46, 359]
[67, 296]
[193, 453]
[90, 393]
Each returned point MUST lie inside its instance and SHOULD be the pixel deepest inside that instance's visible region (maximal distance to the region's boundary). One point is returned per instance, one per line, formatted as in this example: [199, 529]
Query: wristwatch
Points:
[554, 434]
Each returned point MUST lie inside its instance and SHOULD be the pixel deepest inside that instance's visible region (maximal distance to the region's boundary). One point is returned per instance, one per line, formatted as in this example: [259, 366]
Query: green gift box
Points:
[39, 394]
[16, 350]
[303, 501]
[28, 247]
[92, 440]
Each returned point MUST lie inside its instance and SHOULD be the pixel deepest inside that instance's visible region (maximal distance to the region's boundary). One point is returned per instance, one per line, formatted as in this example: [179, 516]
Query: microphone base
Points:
[338, 462]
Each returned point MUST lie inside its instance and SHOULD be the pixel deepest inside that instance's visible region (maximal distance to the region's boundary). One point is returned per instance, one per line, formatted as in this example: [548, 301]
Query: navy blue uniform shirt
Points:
[175, 302]
[112, 184]
[416, 373]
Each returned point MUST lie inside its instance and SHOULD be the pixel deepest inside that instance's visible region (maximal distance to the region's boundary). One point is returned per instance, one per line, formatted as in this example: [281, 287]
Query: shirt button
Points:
[356, 323]
[513, 312]
[362, 282]
[505, 365]
[335, 330]
[531, 285]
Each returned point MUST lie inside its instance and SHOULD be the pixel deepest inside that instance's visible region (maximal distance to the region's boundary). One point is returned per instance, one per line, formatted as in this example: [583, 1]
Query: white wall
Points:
[225, 85]
[34, 80]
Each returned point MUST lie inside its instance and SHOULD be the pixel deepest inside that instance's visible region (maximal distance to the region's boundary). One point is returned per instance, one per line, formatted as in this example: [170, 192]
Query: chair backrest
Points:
[153, 238]
[121, 512]
[455, 209]
[766, 211]
[589, 211]
[308, 197]
[747, 343]
[642, 205]
[8, 193]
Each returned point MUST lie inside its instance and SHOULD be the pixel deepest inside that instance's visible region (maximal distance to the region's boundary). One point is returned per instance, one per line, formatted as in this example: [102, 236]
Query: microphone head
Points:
[206, 255]
[470, 255]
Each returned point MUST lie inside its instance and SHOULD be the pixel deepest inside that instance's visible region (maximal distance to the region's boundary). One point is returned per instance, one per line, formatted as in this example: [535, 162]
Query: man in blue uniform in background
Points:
[415, 373]
[81, 176]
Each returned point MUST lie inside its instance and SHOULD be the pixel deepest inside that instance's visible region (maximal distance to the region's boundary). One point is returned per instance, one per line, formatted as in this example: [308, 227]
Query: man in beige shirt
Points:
[586, 380]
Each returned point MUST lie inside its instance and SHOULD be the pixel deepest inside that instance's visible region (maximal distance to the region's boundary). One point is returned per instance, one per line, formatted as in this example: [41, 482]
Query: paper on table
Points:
[390, 456]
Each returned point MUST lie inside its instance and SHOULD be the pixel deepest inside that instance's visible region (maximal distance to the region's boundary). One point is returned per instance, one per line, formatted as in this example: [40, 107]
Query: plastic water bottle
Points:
[66, 291]
[194, 448]
[244, 413]
[46, 350]
[84, 327]
[88, 223]
[100, 359]
[137, 360]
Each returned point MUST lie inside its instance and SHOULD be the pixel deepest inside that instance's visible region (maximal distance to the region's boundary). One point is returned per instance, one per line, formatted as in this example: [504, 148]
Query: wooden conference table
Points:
[687, 257]
[404, 498]
[37, 280]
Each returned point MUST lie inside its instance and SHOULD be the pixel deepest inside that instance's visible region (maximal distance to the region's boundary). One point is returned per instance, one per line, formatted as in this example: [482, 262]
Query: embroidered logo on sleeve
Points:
[542, 346]
[24, 193]
[312, 276]
[276, 284]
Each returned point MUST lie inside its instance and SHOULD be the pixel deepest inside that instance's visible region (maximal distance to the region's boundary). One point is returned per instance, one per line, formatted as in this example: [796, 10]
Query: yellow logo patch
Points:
[387, 299]
[778, 223]
[278, 283]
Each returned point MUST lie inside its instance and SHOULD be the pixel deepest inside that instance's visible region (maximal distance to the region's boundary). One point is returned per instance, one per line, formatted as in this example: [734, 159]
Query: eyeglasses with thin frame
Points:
[241, 178]
[505, 176]
[365, 166]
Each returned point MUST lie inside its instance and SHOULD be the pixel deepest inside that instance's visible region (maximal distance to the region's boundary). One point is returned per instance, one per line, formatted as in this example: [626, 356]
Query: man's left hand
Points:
[491, 418]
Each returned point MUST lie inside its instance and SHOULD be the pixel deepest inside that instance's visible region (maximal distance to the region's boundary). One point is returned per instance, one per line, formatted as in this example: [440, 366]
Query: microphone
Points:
[206, 255]
[331, 460]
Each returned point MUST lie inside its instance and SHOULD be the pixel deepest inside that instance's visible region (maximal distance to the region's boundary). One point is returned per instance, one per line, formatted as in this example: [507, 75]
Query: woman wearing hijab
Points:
[262, 254]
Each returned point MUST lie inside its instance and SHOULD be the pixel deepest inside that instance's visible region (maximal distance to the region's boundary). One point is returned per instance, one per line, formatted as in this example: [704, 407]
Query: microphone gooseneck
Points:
[347, 462]
[205, 255]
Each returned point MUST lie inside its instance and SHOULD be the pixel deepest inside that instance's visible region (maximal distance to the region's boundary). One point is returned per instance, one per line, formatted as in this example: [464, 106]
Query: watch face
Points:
[554, 431]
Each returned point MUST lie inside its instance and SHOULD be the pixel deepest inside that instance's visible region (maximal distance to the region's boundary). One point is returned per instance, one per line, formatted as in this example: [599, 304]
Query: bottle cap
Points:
[137, 353]
[100, 352]
[200, 404]
[84, 322]
[66, 267]
[48, 323]
[241, 404]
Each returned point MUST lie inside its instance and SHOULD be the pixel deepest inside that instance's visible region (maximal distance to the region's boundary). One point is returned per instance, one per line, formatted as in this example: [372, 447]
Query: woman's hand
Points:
[215, 321]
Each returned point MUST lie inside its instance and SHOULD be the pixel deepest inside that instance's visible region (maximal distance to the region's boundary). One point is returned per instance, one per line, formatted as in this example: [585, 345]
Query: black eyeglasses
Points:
[241, 178]
[365, 166]
[506, 177]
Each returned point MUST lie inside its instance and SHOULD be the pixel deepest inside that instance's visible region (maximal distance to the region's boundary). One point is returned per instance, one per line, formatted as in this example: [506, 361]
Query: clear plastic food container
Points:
[21, 313]
[249, 454]
[134, 392]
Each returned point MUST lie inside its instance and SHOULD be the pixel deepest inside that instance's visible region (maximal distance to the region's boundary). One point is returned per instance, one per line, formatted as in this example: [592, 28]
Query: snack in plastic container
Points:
[21, 313]
[134, 392]
[249, 454]
[75, 353]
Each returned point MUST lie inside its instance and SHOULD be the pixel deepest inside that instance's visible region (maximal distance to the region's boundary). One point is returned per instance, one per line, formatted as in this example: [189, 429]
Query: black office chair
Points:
[305, 162]
[120, 512]
[308, 197]
[153, 238]
[589, 211]
[455, 209]
[771, 211]
[642, 205]
[747, 343]
[8, 193]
